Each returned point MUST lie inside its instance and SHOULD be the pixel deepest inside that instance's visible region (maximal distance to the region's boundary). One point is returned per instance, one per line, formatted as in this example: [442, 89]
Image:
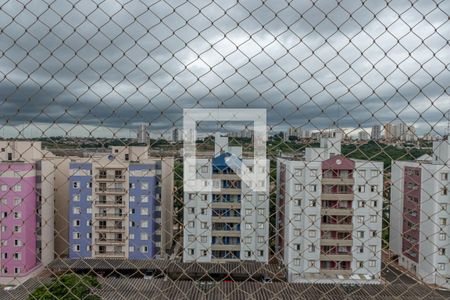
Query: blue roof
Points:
[219, 161]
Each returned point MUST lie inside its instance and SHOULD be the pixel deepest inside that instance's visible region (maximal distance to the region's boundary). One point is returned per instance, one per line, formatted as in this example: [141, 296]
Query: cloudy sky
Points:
[88, 69]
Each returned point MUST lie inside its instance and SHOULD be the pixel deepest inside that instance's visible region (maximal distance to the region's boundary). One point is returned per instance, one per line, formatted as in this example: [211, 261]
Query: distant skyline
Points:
[101, 71]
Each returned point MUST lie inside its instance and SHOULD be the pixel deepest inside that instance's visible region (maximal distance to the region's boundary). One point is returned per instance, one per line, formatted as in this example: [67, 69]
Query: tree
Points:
[67, 287]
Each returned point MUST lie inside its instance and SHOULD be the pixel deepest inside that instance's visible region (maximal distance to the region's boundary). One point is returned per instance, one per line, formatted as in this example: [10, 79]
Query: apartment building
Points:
[26, 208]
[329, 216]
[419, 215]
[229, 224]
[121, 205]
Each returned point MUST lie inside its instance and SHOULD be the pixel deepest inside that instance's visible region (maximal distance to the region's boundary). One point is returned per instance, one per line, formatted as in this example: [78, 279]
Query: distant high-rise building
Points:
[329, 216]
[376, 133]
[175, 135]
[143, 136]
[388, 132]
[363, 135]
[419, 215]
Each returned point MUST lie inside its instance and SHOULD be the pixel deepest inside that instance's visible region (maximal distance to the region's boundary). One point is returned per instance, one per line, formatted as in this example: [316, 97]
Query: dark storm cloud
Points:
[121, 63]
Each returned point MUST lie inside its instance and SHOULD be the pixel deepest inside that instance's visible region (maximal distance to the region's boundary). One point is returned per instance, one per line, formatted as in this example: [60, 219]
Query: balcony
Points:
[110, 190]
[110, 178]
[335, 242]
[338, 181]
[226, 219]
[110, 254]
[110, 203]
[223, 247]
[336, 257]
[110, 216]
[109, 229]
[226, 176]
[336, 211]
[109, 241]
[231, 205]
[230, 233]
[328, 272]
[335, 196]
[336, 227]
[229, 191]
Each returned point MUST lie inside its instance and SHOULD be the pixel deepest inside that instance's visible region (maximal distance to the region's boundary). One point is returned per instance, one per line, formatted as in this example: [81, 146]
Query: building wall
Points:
[21, 175]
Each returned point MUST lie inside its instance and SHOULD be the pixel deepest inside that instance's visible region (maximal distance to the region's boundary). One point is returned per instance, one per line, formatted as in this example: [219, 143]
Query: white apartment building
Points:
[419, 215]
[329, 216]
[231, 224]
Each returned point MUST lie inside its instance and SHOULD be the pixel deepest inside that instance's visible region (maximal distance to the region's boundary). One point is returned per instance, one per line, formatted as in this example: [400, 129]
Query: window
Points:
[313, 188]
[298, 172]
[132, 199]
[298, 187]
[260, 239]
[4, 201]
[248, 253]
[443, 221]
[298, 202]
[17, 188]
[360, 234]
[76, 248]
[144, 199]
[248, 226]
[311, 264]
[76, 198]
[204, 239]
[373, 188]
[203, 211]
[204, 197]
[373, 248]
[191, 251]
[312, 233]
[362, 173]
[144, 211]
[373, 218]
[191, 224]
[261, 211]
[4, 187]
[204, 225]
[444, 191]
[312, 218]
[297, 261]
[144, 185]
[311, 248]
[312, 203]
[144, 224]
[76, 235]
[360, 249]
[132, 185]
[441, 251]
[372, 263]
[441, 267]
[373, 233]
[131, 236]
[144, 249]
[204, 252]
[76, 210]
[444, 206]
[16, 270]
[313, 172]
[144, 236]
[360, 219]
[204, 169]
[89, 210]
[297, 247]
[17, 228]
[360, 264]
[297, 217]
[5, 255]
[248, 239]
[260, 225]
[361, 204]
[76, 184]
[444, 176]
[260, 253]
[131, 249]
[76, 223]
[361, 188]
[374, 203]
[191, 210]
[89, 198]
[374, 173]
[191, 238]
[297, 232]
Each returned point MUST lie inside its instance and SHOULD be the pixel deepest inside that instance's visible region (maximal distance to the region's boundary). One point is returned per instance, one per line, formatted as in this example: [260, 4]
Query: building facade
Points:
[419, 214]
[329, 216]
[375, 134]
[27, 210]
[231, 224]
[121, 205]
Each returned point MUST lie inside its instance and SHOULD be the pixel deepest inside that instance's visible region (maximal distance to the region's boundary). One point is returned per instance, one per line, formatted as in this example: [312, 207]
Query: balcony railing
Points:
[110, 190]
[110, 228]
[110, 254]
[110, 177]
[110, 241]
[110, 203]
[112, 216]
